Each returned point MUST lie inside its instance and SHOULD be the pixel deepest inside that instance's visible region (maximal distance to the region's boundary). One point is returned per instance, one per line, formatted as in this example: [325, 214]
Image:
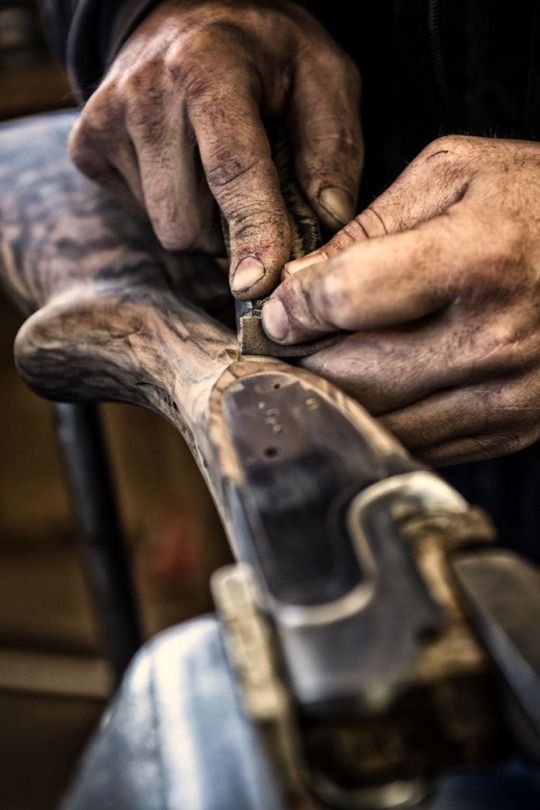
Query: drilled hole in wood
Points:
[271, 452]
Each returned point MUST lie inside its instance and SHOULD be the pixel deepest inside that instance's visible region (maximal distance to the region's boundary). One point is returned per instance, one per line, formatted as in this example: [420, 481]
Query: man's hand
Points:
[440, 280]
[178, 123]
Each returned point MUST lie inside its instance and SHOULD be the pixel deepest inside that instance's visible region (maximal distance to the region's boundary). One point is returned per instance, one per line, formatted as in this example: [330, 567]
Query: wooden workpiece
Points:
[111, 316]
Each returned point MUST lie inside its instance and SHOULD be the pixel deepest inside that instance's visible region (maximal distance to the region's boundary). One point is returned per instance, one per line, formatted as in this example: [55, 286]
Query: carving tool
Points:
[305, 238]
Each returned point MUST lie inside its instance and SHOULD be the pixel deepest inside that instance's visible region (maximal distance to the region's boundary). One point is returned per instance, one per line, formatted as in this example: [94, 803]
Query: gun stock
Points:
[346, 538]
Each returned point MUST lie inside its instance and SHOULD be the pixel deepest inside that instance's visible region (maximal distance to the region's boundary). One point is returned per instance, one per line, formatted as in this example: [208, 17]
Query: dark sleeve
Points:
[84, 34]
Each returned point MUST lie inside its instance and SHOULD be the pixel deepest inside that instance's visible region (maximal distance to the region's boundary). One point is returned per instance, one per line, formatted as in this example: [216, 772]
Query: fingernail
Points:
[248, 271]
[338, 203]
[299, 264]
[275, 320]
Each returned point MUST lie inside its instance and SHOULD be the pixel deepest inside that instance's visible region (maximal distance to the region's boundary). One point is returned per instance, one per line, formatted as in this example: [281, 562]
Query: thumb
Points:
[434, 181]
[374, 284]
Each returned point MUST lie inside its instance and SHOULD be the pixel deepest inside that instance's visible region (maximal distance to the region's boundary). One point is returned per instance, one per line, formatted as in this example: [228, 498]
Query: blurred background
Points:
[53, 682]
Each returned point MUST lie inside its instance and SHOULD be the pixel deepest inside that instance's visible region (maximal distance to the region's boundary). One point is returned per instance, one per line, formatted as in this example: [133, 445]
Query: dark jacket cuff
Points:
[86, 35]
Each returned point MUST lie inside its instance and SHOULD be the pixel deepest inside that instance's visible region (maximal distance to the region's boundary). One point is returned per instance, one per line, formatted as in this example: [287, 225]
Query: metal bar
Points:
[101, 541]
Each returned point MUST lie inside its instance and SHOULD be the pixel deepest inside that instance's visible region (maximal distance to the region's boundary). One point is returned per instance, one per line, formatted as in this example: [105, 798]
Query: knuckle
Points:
[332, 298]
[339, 242]
[337, 62]
[174, 58]
[227, 165]
[506, 241]
[511, 249]
[503, 444]
[373, 223]
[81, 147]
[86, 138]
[91, 138]
[188, 49]
[499, 347]
[196, 83]
[355, 231]
[203, 48]
[448, 147]
[102, 107]
[86, 163]
[172, 238]
[171, 242]
[86, 156]
[210, 96]
[260, 224]
[130, 84]
[142, 87]
[169, 223]
[503, 268]
[216, 34]
[500, 268]
[338, 138]
[304, 302]
[517, 405]
[512, 402]
[347, 142]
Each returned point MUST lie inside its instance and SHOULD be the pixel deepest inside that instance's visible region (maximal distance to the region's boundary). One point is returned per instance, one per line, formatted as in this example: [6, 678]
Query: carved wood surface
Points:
[110, 315]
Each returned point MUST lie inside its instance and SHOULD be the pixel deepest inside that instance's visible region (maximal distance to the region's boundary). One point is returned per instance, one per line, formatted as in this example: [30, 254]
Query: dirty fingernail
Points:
[299, 264]
[338, 203]
[248, 271]
[275, 320]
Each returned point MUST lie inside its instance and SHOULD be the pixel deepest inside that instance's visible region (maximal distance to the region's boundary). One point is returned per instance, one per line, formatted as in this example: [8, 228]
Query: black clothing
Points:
[85, 34]
[433, 67]
[429, 67]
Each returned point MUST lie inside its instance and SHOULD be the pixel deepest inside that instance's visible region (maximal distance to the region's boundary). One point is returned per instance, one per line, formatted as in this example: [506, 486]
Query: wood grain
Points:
[110, 316]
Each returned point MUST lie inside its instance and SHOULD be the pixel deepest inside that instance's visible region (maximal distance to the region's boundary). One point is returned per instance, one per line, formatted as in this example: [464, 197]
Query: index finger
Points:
[237, 161]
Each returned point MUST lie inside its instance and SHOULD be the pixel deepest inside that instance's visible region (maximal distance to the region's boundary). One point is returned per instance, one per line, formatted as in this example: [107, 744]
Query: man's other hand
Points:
[439, 279]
